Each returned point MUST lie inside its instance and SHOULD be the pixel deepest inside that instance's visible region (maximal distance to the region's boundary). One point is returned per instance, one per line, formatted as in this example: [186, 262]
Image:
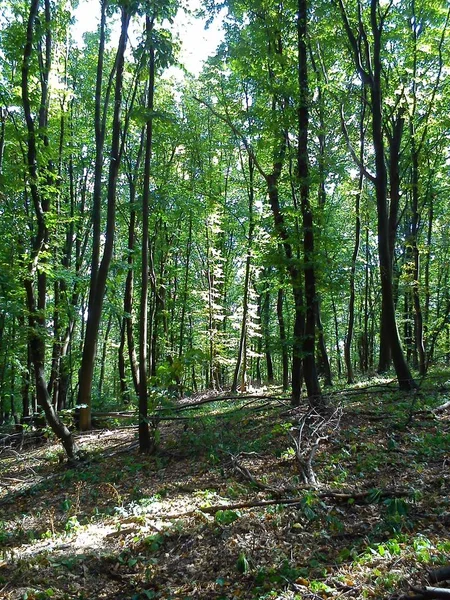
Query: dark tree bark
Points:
[395, 138]
[146, 441]
[370, 74]
[99, 274]
[351, 303]
[323, 360]
[283, 340]
[309, 343]
[36, 294]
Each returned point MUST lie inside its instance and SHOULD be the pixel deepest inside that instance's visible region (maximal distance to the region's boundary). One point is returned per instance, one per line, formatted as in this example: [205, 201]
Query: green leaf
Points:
[225, 517]
[242, 564]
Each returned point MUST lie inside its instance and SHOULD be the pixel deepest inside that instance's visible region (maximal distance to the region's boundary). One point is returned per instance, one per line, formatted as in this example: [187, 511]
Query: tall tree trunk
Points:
[185, 289]
[415, 267]
[241, 361]
[384, 360]
[371, 76]
[321, 198]
[405, 379]
[351, 303]
[128, 328]
[309, 363]
[283, 340]
[98, 284]
[146, 442]
[36, 298]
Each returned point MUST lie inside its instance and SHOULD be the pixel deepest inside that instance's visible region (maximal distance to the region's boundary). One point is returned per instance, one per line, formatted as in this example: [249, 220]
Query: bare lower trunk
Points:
[283, 340]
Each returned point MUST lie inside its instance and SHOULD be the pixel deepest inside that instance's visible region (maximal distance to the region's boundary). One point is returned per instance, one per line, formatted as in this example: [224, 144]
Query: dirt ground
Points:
[221, 512]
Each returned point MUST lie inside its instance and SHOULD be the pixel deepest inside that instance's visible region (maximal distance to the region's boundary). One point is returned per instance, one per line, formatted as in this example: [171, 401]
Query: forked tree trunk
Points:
[389, 322]
[99, 274]
[370, 73]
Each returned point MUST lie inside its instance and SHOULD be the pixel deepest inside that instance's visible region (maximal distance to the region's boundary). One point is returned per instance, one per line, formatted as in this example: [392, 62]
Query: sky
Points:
[197, 43]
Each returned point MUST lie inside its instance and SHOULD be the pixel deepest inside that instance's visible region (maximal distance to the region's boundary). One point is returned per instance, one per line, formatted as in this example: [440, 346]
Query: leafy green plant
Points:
[226, 517]
[72, 524]
[4, 534]
[242, 564]
[308, 505]
[396, 519]
[154, 541]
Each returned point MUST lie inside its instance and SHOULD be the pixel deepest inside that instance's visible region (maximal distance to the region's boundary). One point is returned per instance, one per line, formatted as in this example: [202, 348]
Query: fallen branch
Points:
[312, 429]
[441, 407]
[193, 405]
[249, 477]
[433, 593]
[442, 574]
[285, 501]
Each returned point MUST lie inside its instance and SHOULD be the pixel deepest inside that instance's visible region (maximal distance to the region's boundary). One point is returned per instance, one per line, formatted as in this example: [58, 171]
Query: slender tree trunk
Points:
[415, 225]
[97, 292]
[146, 443]
[364, 345]
[128, 328]
[241, 359]
[124, 391]
[351, 304]
[283, 340]
[309, 363]
[322, 348]
[185, 289]
[336, 336]
[266, 334]
[101, 378]
[297, 347]
[36, 300]
[405, 379]
[321, 197]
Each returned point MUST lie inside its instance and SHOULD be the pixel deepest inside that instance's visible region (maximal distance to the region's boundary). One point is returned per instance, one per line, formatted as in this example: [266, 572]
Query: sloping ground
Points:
[220, 511]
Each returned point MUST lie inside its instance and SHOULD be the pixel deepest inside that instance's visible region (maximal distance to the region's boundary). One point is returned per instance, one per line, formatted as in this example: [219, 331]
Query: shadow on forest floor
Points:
[128, 526]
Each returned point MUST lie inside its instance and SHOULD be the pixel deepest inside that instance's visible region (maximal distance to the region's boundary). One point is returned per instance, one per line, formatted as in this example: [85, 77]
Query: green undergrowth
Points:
[185, 523]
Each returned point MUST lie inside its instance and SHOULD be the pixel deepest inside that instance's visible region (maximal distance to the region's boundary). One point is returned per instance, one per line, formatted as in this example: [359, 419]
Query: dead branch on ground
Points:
[312, 429]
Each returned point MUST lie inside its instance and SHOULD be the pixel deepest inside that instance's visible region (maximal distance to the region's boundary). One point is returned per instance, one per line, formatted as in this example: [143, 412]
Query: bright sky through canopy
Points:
[197, 43]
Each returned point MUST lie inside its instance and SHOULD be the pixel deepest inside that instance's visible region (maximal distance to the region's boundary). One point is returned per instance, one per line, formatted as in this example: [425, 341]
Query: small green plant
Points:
[308, 505]
[226, 517]
[4, 534]
[242, 564]
[154, 541]
[281, 428]
[72, 524]
[319, 586]
[396, 519]
[422, 547]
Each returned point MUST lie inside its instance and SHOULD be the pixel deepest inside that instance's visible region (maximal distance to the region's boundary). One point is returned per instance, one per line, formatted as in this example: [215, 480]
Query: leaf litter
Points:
[128, 526]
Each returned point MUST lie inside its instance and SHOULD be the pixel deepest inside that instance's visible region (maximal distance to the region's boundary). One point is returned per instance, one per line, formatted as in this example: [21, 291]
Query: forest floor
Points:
[220, 511]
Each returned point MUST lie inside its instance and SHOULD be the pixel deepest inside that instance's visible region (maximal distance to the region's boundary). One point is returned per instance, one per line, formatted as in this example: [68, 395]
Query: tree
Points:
[40, 176]
[99, 270]
[368, 62]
